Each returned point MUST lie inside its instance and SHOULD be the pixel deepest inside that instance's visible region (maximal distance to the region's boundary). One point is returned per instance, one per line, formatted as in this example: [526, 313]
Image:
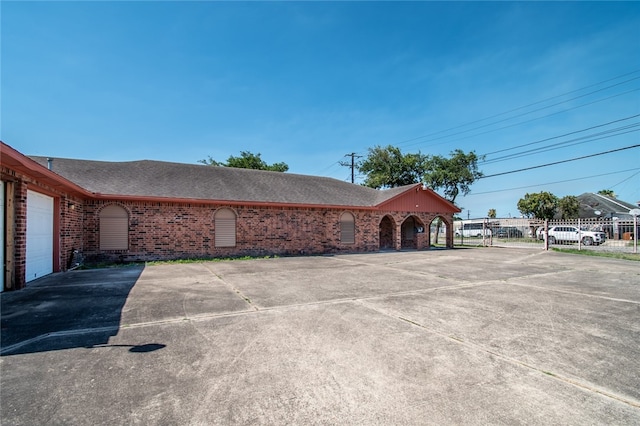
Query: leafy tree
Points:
[607, 192]
[542, 205]
[247, 160]
[388, 168]
[454, 175]
[569, 207]
[491, 214]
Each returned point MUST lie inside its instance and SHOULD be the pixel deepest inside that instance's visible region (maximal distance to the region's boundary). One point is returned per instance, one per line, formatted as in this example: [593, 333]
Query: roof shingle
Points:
[161, 179]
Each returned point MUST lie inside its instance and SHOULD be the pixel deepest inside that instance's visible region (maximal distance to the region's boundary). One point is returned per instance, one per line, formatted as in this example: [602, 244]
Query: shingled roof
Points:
[598, 205]
[167, 180]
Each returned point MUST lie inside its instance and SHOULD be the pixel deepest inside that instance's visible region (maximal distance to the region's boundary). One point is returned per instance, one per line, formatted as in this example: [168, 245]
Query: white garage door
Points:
[39, 235]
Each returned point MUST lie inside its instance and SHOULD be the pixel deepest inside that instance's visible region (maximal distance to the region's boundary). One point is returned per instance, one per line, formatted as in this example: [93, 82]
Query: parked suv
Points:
[573, 234]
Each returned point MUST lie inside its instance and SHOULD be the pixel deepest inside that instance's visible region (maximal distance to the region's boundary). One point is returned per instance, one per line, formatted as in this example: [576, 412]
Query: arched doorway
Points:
[412, 233]
[439, 233]
[387, 233]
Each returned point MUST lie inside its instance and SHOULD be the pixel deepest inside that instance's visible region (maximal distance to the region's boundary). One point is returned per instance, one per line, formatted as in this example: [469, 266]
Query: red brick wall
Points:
[177, 230]
[20, 233]
[71, 229]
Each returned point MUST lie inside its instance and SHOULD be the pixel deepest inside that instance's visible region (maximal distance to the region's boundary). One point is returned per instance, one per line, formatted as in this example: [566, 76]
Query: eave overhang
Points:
[152, 199]
[12, 159]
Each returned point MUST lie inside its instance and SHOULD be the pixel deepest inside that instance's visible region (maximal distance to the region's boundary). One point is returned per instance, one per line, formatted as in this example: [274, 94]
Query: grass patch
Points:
[131, 264]
[208, 259]
[623, 256]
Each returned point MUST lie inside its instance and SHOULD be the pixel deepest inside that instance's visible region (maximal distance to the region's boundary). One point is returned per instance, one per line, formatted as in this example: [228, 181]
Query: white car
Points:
[573, 234]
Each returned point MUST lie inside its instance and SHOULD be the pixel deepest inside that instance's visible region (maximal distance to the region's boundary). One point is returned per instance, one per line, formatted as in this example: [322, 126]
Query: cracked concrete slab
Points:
[386, 338]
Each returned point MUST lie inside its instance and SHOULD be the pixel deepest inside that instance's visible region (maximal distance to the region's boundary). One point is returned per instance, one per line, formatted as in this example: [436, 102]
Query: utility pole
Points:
[352, 165]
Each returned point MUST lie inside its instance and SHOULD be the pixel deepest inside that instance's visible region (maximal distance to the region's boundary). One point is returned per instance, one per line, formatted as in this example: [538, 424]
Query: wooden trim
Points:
[9, 240]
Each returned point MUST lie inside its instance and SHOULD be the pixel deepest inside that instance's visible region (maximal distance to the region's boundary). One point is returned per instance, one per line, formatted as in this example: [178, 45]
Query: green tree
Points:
[492, 214]
[542, 205]
[454, 175]
[569, 207]
[388, 167]
[607, 192]
[247, 160]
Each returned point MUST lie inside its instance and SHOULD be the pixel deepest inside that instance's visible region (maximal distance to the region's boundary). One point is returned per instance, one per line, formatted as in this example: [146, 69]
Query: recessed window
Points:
[114, 228]
[225, 228]
[347, 228]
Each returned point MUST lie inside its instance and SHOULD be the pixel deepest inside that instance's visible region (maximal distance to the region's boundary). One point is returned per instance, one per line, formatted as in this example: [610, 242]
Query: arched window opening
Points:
[347, 228]
[225, 228]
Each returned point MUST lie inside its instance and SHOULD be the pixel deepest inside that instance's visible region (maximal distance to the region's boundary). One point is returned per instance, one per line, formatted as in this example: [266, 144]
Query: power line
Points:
[624, 180]
[566, 144]
[523, 107]
[561, 136]
[561, 162]
[327, 168]
[557, 182]
[526, 121]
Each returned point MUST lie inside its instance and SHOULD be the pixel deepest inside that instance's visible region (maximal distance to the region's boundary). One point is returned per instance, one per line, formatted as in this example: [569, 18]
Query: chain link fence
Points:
[613, 235]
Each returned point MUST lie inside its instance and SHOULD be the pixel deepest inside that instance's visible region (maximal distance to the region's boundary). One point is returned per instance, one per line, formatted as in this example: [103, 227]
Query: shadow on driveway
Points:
[78, 308]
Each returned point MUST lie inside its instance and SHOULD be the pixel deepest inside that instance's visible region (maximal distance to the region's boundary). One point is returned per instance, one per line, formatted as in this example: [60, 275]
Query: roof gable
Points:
[417, 198]
[597, 205]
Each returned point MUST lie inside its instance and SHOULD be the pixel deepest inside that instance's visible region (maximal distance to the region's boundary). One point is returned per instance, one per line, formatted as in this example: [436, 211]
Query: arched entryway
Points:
[413, 236]
[387, 233]
[440, 231]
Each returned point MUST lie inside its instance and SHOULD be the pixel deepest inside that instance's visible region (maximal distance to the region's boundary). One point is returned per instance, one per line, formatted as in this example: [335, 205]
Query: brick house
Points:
[153, 210]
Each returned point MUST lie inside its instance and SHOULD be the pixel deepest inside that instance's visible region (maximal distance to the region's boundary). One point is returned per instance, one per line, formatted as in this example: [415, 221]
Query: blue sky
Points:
[308, 82]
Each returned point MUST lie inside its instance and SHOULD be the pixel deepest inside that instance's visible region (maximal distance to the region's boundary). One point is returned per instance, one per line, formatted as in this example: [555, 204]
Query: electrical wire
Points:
[624, 180]
[404, 142]
[561, 162]
[584, 139]
[566, 144]
[326, 168]
[523, 122]
[557, 182]
[561, 136]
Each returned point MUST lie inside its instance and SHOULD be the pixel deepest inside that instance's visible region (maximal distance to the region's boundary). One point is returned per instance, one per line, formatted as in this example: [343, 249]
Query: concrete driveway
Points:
[464, 336]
